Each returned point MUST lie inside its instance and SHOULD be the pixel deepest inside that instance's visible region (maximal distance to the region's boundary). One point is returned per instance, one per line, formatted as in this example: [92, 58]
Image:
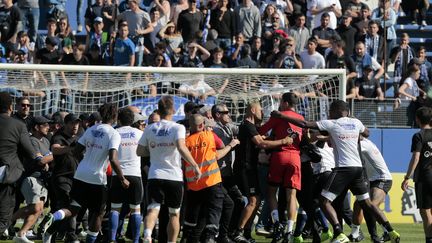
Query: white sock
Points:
[355, 230]
[275, 216]
[290, 226]
[147, 233]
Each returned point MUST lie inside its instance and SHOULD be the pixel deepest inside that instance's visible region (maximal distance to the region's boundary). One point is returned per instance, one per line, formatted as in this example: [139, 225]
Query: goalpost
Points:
[82, 89]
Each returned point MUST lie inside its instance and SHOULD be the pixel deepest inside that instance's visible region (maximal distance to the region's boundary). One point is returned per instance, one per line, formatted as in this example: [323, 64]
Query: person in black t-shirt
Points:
[367, 87]
[420, 168]
[10, 19]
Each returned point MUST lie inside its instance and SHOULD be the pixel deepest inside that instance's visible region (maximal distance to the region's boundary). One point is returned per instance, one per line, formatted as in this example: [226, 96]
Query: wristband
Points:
[406, 177]
[39, 158]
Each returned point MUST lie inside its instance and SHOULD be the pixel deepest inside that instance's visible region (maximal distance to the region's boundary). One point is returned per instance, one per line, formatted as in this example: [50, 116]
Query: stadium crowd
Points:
[291, 34]
[203, 175]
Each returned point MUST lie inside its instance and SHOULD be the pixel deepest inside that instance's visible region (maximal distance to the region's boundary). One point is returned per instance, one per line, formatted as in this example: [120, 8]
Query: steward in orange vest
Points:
[204, 195]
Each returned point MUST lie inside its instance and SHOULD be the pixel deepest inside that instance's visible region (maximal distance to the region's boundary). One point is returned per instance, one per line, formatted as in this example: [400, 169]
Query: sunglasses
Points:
[275, 18]
[223, 112]
[25, 105]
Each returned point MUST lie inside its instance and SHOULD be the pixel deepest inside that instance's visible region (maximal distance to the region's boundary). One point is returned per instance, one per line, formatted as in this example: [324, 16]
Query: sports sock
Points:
[135, 220]
[275, 216]
[355, 230]
[301, 222]
[387, 226]
[147, 233]
[114, 222]
[91, 237]
[322, 219]
[59, 215]
[290, 225]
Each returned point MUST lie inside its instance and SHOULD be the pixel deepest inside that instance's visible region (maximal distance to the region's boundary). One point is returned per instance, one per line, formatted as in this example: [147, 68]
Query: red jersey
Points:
[281, 129]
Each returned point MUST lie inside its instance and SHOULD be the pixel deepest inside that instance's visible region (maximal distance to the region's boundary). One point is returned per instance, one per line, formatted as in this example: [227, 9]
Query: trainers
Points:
[147, 240]
[341, 238]
[22, 239]
[385, 237]
[224, 239]
[297, 239]
[376, 239]
[30, 235]
[262, 232]
[79, 28]
[394, 236]
[278, 230]
[326, 235]
[359, 238]
[288, 237]
[4, 235]
[46, 237]
[46, 222]
[423, 23]
[238, 237]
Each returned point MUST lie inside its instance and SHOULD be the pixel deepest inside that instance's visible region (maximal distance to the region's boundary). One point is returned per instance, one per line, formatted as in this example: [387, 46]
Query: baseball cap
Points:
[190, 106]
[51, 40]
[39, 120]
[138, 117]
[98, 20]
[71, 118]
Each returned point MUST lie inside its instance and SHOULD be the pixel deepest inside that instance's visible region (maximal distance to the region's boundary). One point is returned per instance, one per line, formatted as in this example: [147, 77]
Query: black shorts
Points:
[423, 193]
[166, 192]
[247, 182]
[132, 195]
[319, 182]
[384, 185]
[90, 196]
[346, 178]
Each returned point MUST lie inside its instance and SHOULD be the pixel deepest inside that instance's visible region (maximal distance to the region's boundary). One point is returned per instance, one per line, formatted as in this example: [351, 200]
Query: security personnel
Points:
[205, 196]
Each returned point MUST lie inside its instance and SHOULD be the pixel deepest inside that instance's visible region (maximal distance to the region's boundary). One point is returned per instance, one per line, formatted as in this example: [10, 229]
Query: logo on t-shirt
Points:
[152, 144]
[348, 126]
[97, 134]
[127, 135]
[161, 133]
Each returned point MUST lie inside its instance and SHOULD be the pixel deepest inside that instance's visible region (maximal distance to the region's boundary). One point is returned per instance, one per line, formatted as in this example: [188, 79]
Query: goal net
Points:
[82, 89]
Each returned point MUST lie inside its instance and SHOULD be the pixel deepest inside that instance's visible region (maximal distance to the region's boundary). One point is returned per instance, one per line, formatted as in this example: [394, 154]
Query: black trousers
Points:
[7, 205]
[207, 202]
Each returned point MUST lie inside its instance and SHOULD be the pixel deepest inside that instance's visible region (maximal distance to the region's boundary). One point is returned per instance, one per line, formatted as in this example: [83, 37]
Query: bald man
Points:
[204, 195]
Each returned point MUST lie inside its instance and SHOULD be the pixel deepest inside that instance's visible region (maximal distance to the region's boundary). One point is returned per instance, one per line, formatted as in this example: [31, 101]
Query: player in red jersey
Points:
[284, 165]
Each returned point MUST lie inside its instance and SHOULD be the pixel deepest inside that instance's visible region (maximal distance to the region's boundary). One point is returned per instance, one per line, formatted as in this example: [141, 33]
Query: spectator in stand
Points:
[248, 20]
[417, 10]
[177, 8]
[164, 8]
[374, 42]
[92, 12]
[23, 107]
[347, 33]
[310, 58]
[124, 48]
[97, 37]
[287, 57]
[190, 21]
[222, 19]
[174, 39]
[139, 25]
[387, 20]
[368, 87]
[23, 43]
[276, 28]
[401, 56]
[64, 31]
[157, 24]
[363, 24]
[94, 57]
[30, 15]
[267, 17]
[300, 33]
[425, 67]
[197, 89]
[51, 32]
[330, 8]
[246, 60]
[217, 59]
[109, 15]
[195, 56]
[363, 59]
[324, 33]
[10, 23]
[409, 93]
[21, 56]
[282, 7]
[257, 54]
[353, 9]
[234, 53]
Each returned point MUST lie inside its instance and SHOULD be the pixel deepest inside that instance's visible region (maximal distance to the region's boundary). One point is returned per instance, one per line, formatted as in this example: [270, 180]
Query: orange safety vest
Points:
[202, 146]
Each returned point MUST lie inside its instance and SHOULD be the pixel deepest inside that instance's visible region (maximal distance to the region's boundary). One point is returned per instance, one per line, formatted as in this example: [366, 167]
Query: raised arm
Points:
[295, 121]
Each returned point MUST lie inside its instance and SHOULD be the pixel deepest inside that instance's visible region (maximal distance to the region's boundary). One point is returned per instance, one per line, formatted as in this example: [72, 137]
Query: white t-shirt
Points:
[201, 87]
[412, 89]
[376, 167]
[327, 162]
[322, 4]
[98, 140]
[130, 162]
[344, 134]
[165, 159]
[314, 61]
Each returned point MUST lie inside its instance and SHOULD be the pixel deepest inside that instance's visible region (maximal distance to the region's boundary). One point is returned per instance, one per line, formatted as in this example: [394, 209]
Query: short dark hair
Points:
[325, 15]
[5, 102]
[424, 115]
[125, 117]
[108, 112]
[290, 98]
[166, 106]
[20, 99]
[339, 106]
